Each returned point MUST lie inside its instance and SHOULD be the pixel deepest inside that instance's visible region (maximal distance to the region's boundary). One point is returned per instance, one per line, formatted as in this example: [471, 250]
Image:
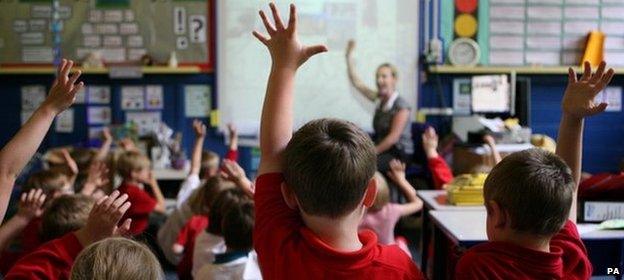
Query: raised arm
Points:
[399, 121]
[31, 206]
[578, 103]
[19, 150]
[160, 207]
[368, 92]
[235, 173]
[200, 133]
[397, 175]
[107, 142]
[491, 143]
[287, 54]
[440, 172]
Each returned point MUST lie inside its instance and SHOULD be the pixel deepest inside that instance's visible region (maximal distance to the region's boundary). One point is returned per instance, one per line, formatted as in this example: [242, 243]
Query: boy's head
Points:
[328, 168]
[203, 198]
[52, 182]
[237, 226]
[225, 200]
[383, 193]
[116, 258]
[209, 164]
[133, 165]
[65, 214]
[528, 193]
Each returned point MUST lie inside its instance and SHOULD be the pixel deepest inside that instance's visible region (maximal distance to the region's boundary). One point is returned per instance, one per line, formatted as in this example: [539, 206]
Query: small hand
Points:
[70, 162]
[232, 171]
[64, 89]
[104, 217]
[578, 100]
[397, 171]
[97, 175]
[31, 204]
[232, 130]
[489, 140]
[106, 135]
[430, 142]
[199, 128]
[283, 44]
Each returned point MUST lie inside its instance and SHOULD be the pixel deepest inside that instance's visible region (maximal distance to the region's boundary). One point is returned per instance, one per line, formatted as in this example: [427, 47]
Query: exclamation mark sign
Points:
[179, 20]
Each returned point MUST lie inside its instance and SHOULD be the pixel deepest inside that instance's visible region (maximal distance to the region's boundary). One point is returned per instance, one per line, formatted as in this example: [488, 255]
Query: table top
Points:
[469, 227]
[170, 174]
[436, 200]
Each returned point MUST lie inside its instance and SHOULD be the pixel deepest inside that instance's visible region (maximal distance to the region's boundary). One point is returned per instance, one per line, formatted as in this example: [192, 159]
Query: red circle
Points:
[466, 6]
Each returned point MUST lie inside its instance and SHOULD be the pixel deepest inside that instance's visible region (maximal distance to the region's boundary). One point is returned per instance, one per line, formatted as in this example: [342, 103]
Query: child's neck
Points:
[528, 241]
[133, 182]
[341, 233]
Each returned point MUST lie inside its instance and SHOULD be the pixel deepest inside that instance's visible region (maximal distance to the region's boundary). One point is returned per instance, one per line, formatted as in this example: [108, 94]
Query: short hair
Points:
[383, 193]
[49, 181]
[328, 164]
[209, 160]
[202, 199]
[237, 225]
[393, 69]
[116, 258]
[65, 214]
[223, 202]
[535, 188]
[131, 161]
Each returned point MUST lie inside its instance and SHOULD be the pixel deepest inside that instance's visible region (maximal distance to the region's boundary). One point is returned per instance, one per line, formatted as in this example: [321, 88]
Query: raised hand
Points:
[232, 130]
[282, 42]
[70, 162]
[430, 142]
[97, 177]
[31, 204]
[230, 170]
[103, 219]
[350, 47]
[489, 140]
[397, 171]
[64, 89]
[578, 100]
[199, 128]
[106, 135]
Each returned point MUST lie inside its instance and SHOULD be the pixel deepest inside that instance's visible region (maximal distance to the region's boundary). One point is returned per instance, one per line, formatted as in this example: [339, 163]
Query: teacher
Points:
[393, 135]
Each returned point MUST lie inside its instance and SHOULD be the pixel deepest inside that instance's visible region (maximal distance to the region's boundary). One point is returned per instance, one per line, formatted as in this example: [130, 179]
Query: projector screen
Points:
[385, 31]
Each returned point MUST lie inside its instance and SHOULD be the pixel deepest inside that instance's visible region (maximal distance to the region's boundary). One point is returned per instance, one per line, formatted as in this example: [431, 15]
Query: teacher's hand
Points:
[350, 47]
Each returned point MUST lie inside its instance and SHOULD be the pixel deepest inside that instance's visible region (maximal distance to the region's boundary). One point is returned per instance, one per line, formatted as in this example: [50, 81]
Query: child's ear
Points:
[289, 197]
[371, 193]
[497, 213]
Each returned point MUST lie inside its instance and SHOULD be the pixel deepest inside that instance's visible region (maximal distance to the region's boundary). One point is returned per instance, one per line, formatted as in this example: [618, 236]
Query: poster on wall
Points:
[65, 121]
[154, 97]
[32, 97]
[611, 96]
[197, 101]
[98, 94]
[99, 115]
[132, 98]
[145, 122]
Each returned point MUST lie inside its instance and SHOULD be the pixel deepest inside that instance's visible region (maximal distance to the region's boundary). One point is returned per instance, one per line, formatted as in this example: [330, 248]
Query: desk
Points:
[467, 229]
[435, 200]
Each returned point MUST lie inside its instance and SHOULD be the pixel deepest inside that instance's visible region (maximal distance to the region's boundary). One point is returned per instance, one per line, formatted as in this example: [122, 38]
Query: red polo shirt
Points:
[503, 260]
[143, 203]
[287, 249]
[53, 260]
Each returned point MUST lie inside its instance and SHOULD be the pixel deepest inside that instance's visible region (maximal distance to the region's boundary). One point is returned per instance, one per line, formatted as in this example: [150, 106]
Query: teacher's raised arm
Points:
[368, 92]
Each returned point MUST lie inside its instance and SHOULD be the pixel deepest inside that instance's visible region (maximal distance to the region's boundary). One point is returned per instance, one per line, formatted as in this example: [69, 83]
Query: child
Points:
[382, 216]
[65, 214]
[210, 241]
[440, 172]
[134, 167]
[54, 259]
[116, 258]
[204, 164]
[16, 153]
[30, 207]
[314, 188]
[530, 198]
[239, 261]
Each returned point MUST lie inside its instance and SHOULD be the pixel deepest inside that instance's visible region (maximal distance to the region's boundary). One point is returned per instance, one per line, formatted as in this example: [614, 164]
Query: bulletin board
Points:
[121, 30]
[531, 32]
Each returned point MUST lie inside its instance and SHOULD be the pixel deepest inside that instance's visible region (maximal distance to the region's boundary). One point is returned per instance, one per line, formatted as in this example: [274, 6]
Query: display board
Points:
[121, 30]
[385, 31]
[551, 32]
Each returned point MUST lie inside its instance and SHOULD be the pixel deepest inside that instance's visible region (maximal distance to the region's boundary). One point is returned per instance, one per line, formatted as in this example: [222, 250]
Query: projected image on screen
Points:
[385, 31]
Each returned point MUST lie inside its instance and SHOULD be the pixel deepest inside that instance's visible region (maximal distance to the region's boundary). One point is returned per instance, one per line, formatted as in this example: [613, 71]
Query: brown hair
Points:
[116, 258]
[393, 69]
[328, 164]
[383, 193]
[202, 199]
[49, 181]
[65, 214]
[237, 225]
[223, 202]
[209, 160]
[535, 188]
[131, 161]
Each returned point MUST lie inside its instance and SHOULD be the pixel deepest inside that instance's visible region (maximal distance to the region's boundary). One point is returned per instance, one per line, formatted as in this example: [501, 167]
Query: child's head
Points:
[237, 226]
[528, 193]
[133, 165]
[328, 169]
[65, 214]
[52, 182]
[202, 199]
[116, 258]
[224, 201]
[383, 193]
[209, 164]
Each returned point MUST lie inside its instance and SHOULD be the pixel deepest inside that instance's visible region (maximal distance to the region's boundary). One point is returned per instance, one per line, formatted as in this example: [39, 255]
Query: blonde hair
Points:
[131, 161]
[202, 199]
[65, 214]
[210, 160]
[49, 181]
[393, 69]
[116, 258]
[383, 193]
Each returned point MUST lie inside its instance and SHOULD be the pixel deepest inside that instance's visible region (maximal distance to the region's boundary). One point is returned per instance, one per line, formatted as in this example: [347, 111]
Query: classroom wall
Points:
[604, 134]
[172, 113]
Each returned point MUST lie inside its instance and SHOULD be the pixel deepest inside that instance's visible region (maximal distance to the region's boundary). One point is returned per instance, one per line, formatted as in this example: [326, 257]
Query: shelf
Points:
[45, 70]
[534, 70]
